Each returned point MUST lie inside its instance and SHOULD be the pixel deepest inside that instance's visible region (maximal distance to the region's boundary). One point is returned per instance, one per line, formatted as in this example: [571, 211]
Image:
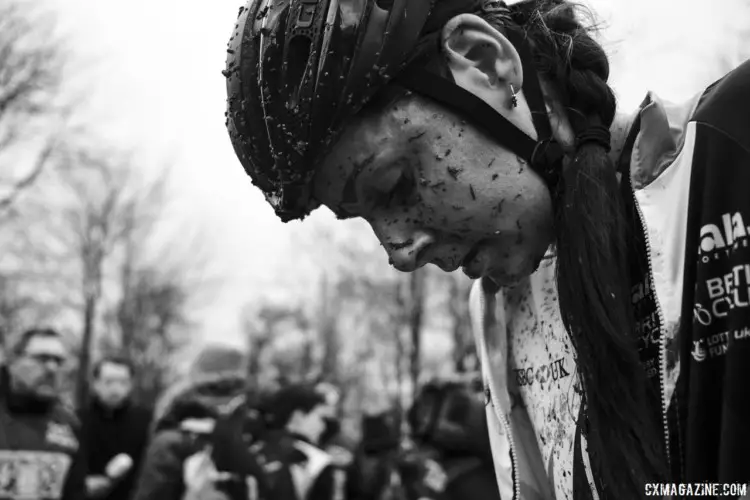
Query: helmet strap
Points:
[544, 154]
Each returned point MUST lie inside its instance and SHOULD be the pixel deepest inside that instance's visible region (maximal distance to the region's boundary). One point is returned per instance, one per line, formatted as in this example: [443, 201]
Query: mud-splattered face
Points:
[437, 190]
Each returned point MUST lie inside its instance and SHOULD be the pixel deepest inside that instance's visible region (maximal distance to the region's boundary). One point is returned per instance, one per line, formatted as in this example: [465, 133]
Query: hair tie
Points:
[596, 134]
[497, 10]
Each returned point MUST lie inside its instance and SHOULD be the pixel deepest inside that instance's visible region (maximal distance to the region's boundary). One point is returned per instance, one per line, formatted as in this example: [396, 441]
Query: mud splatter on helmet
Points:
[297, 70]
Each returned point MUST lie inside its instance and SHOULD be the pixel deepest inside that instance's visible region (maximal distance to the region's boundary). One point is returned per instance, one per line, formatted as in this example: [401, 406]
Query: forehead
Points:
[45, 345]
[373, 139]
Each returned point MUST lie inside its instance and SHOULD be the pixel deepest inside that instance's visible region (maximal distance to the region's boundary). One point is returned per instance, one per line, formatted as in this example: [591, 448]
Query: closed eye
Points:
[402, 190]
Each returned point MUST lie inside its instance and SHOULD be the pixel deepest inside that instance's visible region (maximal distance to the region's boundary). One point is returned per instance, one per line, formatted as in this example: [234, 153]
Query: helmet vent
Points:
[298, 67]
[384, 4]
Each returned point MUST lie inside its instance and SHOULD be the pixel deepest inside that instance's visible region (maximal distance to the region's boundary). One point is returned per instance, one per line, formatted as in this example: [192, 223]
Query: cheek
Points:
[461, 204]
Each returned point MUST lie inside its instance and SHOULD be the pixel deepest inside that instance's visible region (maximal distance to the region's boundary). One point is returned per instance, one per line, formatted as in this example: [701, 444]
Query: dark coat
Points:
[41, 441]
[108, 433]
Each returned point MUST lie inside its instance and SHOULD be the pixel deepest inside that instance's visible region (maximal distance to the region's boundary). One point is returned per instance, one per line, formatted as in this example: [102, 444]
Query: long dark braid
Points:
[593, 277]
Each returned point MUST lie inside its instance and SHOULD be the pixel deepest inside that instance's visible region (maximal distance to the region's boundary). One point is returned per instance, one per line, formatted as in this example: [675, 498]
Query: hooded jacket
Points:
[689, 171]
[184, 423]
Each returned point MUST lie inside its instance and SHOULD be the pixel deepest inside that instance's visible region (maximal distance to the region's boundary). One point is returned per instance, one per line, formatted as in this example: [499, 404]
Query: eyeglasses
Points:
[47, 359]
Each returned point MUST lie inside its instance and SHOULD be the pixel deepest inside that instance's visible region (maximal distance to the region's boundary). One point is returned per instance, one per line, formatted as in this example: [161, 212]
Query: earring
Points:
[513, 97]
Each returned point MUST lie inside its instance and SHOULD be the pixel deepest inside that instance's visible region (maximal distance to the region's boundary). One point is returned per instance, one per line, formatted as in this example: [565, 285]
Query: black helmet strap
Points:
[544, 155]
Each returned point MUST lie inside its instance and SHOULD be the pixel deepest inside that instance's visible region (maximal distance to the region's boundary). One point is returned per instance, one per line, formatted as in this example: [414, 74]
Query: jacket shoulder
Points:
[67, 415]
[725, 105]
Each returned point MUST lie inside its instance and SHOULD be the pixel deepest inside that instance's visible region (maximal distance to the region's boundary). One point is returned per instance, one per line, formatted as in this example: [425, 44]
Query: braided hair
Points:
[593, 275]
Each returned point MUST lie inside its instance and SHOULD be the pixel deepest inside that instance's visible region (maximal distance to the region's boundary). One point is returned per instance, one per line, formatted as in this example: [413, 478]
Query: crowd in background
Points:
[215, 435]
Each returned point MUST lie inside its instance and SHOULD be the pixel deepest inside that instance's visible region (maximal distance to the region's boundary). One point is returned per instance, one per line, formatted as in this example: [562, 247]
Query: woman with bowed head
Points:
[610, 247]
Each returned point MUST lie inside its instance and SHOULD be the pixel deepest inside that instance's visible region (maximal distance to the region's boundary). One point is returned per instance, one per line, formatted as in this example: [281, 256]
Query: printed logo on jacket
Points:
[32, 475]
[722, 299]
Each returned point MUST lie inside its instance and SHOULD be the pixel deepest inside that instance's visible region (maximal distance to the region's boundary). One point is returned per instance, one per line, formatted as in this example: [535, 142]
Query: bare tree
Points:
[278, 340]
[149, 315]
[79, 223]
[415, 313]
[464, 351]
[32, 96]
[328, 332]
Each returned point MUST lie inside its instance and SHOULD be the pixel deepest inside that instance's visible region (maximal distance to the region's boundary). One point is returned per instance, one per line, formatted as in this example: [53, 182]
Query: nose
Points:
[404, 253]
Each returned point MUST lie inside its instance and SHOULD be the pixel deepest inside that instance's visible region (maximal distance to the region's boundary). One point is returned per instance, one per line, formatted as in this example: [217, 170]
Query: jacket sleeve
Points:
[326, 487]
[75, 482]
[161, 470]
[711, 403]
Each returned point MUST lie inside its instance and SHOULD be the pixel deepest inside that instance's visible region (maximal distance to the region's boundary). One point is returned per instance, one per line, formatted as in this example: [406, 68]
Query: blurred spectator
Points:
[446, 456]
[331, 440]
[178, 463]
[115, 430]
[374, 473]
[296, 468]
[449, 426]
[39, 437]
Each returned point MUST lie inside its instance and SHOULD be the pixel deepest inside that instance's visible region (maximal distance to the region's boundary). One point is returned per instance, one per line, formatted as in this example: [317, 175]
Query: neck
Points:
[110, 409]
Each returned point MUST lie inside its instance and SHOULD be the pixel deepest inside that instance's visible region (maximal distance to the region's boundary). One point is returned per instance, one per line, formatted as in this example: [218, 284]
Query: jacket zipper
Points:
[506, 416]
[505, 420]
[662, 335]
[513, 457]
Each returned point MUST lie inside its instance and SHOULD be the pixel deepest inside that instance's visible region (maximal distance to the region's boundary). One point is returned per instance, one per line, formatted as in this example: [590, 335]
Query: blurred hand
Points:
[200, 476]
[435, 478]
[98, 486]
[119, 466]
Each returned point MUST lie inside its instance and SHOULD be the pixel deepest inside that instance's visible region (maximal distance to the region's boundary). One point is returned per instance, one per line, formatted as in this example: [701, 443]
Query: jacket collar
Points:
[659, 138]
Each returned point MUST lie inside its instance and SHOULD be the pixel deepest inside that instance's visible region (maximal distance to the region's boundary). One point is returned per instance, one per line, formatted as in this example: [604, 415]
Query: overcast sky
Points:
[158, 83]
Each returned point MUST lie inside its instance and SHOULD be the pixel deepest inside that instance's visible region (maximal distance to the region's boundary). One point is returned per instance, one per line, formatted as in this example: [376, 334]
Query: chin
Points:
[513, 272]
[502, 280]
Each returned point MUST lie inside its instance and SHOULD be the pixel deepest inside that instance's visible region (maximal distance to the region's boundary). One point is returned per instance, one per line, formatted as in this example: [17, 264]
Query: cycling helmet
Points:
[298, 69]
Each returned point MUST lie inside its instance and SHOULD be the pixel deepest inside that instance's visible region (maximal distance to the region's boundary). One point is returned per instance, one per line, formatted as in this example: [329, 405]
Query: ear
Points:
[482, 60]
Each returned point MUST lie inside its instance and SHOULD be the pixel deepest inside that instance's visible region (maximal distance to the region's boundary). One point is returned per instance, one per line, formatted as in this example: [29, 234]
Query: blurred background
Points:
[128, 223]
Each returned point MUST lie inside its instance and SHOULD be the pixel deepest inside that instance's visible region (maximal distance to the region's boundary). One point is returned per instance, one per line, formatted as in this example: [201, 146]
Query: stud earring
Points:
[513, 97]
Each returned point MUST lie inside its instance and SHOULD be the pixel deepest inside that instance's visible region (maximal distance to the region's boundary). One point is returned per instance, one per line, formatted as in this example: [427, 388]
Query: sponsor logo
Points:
[719, 240]
[28, 475]
[717, 344]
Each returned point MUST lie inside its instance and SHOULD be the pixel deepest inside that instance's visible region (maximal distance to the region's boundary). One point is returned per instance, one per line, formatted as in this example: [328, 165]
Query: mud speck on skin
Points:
[490, 163]
[454, 172]
[438, 185]
[495, 176]
[471, 191]
[447, 153]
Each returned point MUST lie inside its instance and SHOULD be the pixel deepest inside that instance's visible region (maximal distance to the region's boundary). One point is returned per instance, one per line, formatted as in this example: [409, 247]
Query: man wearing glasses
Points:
[40, 453]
